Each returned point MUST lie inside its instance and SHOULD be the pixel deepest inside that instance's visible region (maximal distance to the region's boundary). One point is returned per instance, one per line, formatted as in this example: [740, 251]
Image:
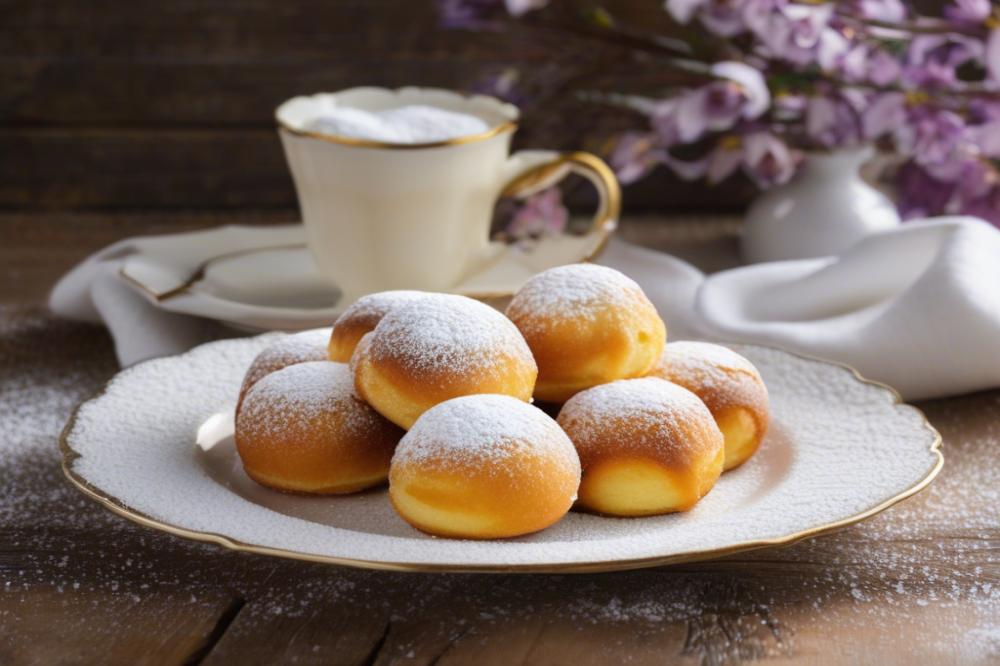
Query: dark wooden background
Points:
[139, 104]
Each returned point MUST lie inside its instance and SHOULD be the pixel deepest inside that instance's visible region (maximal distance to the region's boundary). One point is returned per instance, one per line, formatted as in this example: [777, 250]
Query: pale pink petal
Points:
[751, 81]
[683, 10]
[722, 163]
[521, 7]
[689, 116]
[992, 55]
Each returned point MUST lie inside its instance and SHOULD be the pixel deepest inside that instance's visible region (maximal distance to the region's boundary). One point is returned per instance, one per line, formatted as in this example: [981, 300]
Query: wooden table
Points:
[919, 583]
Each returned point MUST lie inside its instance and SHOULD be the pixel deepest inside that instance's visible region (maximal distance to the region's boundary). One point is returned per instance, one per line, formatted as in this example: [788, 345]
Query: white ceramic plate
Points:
[840, 449]
[264, 278]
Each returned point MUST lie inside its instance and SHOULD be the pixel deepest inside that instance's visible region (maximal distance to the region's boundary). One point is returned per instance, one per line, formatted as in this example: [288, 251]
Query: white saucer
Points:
[839, 450]
[268, 279]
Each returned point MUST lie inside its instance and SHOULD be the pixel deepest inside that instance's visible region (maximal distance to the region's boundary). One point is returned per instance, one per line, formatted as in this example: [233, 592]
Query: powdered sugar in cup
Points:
[397, 187]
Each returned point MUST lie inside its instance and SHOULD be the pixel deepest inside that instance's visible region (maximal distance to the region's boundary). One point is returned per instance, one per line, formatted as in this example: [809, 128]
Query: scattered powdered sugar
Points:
[369, 310]
[293, 396]
[448, 334]
[708, 358]
[286, 351]
[405, 124]
[720, 376]
[892, 581]
[839, 447]
[574, 291]
[484, 428]
[645, 411]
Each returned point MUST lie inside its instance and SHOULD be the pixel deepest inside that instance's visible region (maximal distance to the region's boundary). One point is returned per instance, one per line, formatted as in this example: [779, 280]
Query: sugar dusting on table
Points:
[883, 576]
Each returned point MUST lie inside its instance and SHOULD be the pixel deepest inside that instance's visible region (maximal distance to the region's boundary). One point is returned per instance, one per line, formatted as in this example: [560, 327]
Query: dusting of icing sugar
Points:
[369, 310]
[448, 333]
[484, 428]
[572, 291]
[720, 376]
[646, 411]
[286, 351]
[892, 575]
[293, 397]
[405, 124]
[708, 357]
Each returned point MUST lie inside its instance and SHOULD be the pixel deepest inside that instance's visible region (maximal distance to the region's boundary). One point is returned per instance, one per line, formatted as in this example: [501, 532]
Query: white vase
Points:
[826, 208]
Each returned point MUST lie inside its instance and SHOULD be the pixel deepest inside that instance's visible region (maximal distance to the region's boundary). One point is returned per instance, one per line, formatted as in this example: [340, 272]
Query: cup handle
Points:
[531, 171]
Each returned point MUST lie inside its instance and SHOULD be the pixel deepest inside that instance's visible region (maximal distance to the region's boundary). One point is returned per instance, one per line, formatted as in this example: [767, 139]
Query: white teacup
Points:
[417, 216]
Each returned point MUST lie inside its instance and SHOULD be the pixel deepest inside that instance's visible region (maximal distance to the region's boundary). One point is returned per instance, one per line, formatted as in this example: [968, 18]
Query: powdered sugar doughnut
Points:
[647, 446]
[363, 316]
[586, 325]
[289, 350]
[302, 429]
[438, 348]
[730, 387]
[484, 467]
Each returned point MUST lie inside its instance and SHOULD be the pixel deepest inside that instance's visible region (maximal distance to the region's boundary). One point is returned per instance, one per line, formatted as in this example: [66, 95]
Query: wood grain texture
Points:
[110, 105]
[918, 584]
[44, 625]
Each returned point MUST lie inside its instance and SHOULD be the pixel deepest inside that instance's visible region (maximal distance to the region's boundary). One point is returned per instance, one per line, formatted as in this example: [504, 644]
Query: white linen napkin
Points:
[917, 308]
[94, 291]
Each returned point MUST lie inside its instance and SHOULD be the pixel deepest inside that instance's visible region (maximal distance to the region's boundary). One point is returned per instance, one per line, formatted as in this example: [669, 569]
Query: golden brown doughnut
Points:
[288, 350]
[363, 316]
[647, 446]
[302, 429]
[586, 325]
[437, 348]
[484, 467]
[730, 387]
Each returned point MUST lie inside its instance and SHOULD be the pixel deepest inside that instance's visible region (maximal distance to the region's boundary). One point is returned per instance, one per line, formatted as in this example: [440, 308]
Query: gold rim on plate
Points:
[122, 509]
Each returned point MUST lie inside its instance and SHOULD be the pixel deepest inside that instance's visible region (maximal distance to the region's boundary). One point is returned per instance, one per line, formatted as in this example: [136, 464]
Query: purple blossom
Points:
[503, 85]
[763, 157]
[724, 160]
[920, 194]
[986, 138]
[767, 159]
[968, 12]
[740, 93]
[992, 55]
[802, 74]
[932, 136]
[634, 155]
[976, 179]
[684, 10]
[521, 7]
[887, 11]
[884, 114]
[797, 33]
[883, 69]
[932, 59]
[986, 207]
[468, 14]
[542, 214]
[832, 121]
[720, 17]
[663, 120]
